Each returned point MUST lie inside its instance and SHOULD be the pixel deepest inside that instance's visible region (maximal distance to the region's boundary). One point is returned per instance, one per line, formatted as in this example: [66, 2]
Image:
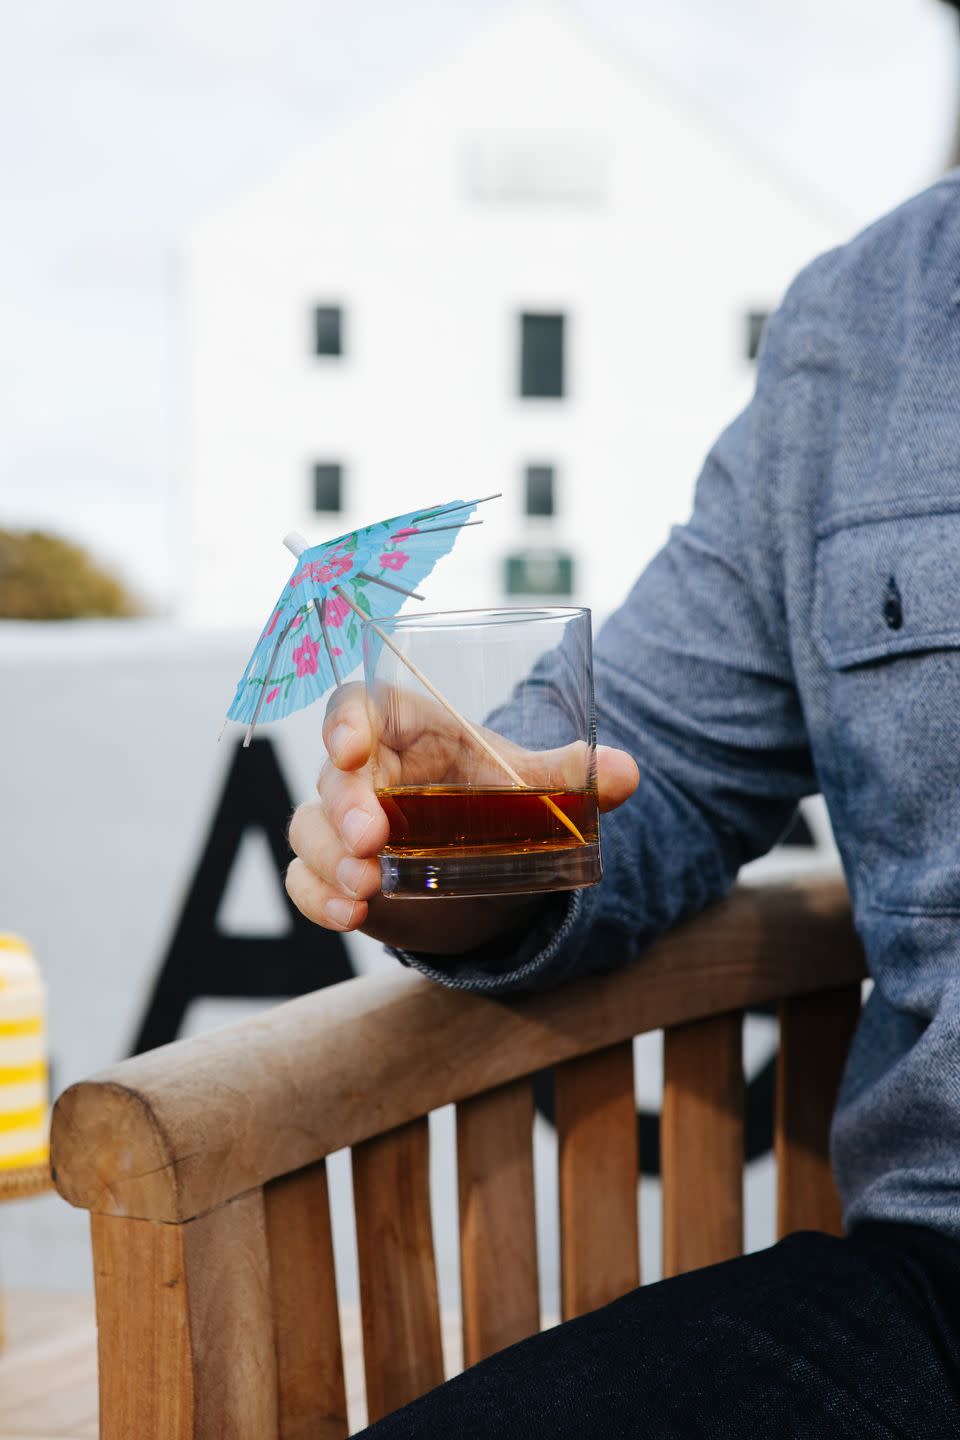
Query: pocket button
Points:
[893, 606]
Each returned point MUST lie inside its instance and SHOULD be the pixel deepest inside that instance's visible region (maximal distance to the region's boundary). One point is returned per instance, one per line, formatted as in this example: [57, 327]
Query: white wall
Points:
[676, 234]
[111, 772]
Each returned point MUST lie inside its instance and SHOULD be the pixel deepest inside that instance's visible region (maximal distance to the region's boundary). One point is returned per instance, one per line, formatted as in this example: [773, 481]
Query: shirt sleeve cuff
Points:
[544, 956]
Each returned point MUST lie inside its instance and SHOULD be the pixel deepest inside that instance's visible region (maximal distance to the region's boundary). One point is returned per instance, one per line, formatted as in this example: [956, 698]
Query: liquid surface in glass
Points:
[450, 820]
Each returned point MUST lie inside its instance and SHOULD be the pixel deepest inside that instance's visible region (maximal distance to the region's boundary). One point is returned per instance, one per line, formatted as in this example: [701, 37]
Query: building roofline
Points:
[594, 35]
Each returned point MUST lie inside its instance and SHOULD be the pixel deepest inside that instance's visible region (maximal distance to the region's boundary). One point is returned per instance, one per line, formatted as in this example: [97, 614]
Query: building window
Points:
[538, 490]
[541, 356]
[547, 171]
[756, 324]
[328, 487]
[327, 330]
[539, 572]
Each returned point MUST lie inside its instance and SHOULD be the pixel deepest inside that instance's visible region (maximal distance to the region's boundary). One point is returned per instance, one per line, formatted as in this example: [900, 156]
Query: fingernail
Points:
[340, 739]
[339, 911]
[350, 872]
[355, 825]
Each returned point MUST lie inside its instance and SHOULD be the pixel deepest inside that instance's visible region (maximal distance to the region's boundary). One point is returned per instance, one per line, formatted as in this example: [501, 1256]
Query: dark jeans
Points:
[815, 1337]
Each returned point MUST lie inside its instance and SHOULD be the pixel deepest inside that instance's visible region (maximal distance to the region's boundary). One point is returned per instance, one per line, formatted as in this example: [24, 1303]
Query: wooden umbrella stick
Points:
[326, 641]
[266, 679]
[451, 710]
[388, 585]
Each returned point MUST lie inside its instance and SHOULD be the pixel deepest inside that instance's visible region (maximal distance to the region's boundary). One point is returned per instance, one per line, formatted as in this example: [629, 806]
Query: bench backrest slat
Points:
[701, 1142]
[400, 1313]
[815, 1035]
[596, 1114]
[312, 1400]
[499, 1275]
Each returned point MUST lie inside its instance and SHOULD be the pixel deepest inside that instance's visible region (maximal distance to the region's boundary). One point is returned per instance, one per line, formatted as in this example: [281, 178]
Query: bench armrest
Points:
[175, 1133]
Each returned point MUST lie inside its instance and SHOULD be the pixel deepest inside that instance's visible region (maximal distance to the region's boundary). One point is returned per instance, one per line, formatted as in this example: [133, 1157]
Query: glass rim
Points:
[479, 617]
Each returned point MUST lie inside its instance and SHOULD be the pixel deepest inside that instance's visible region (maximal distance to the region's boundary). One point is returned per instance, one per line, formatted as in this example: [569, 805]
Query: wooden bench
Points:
[203, 1165]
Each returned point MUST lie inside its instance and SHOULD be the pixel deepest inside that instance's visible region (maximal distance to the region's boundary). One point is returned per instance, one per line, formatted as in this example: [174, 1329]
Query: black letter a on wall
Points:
[202, 960]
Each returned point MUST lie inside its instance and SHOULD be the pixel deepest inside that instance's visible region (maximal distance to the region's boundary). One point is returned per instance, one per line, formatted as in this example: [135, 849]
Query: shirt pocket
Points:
[887, 587]
[886, 621]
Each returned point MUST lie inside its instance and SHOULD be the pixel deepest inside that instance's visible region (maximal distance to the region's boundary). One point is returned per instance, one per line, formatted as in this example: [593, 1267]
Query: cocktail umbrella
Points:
[312, 639]
[314, 635]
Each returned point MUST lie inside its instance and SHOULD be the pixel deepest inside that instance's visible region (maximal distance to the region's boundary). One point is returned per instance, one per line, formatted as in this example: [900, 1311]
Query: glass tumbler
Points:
[485, 750]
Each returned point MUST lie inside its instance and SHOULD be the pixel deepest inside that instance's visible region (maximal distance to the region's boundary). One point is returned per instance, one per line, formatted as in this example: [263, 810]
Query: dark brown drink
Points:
[447, 820]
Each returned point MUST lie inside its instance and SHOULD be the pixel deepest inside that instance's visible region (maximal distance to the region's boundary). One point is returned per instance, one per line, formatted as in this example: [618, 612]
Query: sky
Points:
[121, 122]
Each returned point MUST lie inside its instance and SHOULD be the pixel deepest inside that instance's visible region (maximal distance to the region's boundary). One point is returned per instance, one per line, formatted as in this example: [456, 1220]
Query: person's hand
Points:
[335, 879]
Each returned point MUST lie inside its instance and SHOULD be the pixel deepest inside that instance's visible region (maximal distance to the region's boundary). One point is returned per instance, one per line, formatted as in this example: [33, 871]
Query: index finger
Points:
[346, 727]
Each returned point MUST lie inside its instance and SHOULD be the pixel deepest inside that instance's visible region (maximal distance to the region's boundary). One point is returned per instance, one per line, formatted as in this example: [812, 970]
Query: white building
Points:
[533, 271]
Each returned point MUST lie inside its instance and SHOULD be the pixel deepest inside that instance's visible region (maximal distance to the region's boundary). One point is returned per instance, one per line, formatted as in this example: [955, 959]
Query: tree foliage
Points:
[43, 577]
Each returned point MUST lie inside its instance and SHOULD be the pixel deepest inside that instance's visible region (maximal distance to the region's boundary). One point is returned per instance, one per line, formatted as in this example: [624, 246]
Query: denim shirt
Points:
[802, 632]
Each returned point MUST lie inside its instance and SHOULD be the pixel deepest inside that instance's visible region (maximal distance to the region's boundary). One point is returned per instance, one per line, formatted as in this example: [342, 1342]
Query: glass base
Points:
[519, 873]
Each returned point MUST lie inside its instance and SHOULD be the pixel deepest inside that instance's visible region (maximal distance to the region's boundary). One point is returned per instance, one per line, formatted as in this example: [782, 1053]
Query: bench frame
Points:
[203, 1164]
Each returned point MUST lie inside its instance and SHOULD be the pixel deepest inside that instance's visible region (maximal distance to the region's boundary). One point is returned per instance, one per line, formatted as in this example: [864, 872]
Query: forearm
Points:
[694, 679]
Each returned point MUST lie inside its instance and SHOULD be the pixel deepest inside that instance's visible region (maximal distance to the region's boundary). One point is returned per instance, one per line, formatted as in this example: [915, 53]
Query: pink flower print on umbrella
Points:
[305, 657]
[273, 694]
[335, 569]
[336, 612]
[394, 559]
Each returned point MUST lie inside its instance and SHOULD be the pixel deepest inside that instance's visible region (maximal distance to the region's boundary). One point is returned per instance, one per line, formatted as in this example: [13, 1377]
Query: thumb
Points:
[617, 773]
[617, 777]
[346, 728]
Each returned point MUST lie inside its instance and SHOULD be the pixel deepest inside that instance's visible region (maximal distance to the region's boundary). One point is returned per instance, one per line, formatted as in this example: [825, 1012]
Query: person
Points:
[800, 632]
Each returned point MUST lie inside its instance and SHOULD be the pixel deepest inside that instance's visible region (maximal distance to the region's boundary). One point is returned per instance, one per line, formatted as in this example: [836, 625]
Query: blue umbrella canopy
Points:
[312, 639]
